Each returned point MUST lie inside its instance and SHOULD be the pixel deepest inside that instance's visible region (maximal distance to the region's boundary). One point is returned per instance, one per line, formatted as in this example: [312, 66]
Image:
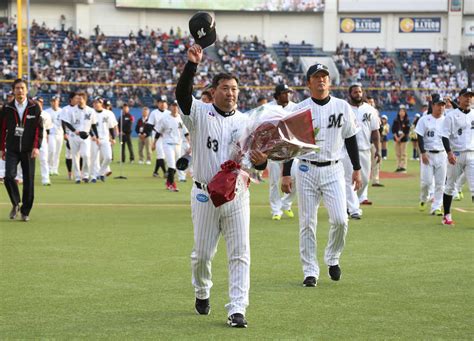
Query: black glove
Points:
[83, 135]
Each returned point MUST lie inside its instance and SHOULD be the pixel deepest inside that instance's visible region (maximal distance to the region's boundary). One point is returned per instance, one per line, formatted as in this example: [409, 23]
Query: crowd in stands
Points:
[154, 58]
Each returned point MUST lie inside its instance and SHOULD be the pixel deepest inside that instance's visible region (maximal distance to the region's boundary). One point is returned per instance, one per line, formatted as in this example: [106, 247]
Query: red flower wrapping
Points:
[222, 186]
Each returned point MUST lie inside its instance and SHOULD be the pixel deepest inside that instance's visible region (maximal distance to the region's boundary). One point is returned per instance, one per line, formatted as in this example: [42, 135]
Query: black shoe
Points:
[310, 281]
[335, 272]
[237, 320]
[25, 218]
[202, 306]
[14, 211]
[398, 170]
[378, 185]
[356, 216]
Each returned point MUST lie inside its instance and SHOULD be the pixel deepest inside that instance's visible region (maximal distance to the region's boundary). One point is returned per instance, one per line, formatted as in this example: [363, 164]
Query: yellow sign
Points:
[347, 25]
[407, 25]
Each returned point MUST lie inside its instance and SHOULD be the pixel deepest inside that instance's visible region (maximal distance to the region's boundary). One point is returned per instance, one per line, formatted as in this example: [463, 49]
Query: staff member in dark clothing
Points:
[125, 124]
[21, 134]
[400, 131]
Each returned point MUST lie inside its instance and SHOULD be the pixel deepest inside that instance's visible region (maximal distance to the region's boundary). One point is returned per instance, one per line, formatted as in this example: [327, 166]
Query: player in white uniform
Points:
[458, 141]
[65, 113]
[433, 157]
[150, 130]
[369, 123]
[321, 175]
[214, 129]
[171, 129]
[81, 122]
[101, 149]
[280, 204]
[44, 152]
[55, 136]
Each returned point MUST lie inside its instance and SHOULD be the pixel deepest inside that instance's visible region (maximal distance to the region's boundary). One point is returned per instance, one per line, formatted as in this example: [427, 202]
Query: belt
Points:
[435, 151]
[321, 164]
[201, 186]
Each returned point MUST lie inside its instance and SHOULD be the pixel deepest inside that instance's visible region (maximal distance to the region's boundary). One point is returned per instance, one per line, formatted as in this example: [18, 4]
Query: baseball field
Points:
[112, 261]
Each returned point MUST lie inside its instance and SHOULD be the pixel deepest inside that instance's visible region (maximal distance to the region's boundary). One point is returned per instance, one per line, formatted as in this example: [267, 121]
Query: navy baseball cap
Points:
[437, 98]
[55, 97]
[466, 91]
[314, 69]
[281, 89]
[162, 99]
[98, 99]
[203, 29]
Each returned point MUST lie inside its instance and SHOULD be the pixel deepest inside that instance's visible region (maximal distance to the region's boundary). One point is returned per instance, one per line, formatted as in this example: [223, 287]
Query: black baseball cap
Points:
[437, 98]
[55, 97]
[313, 69]
[203, 29]
[162, 98]
[98, 99]
[175, 102]
[281, 89]
[466, 91]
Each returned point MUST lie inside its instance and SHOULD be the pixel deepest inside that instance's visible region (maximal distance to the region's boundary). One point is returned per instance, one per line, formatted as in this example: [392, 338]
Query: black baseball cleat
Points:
[335, 272]
[202, 306]
[355, 216]
[310, 281]
[237, 320]
[14, 211]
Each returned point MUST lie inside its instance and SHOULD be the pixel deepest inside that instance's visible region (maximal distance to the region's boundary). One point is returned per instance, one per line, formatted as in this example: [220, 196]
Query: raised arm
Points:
[184, 88]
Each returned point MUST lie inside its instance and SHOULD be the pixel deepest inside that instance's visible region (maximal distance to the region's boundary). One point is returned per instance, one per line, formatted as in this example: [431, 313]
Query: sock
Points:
[69, 165]
[384, 152]
[162, 165]
[156, 166]
[171, 172]
[80, 163]
[447, 199]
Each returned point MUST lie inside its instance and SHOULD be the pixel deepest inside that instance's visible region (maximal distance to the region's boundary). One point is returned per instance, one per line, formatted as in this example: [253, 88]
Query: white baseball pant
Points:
[436, 169]
[55, 144]
[160, 154]
[80, 148]
[172, 153]
[279, 203]
[464, 163]
[314, 183]
[232, 219]
[459, 183]
[353, 204]
[184, 149]
[365, 161]
[44, 162]
[101, 157]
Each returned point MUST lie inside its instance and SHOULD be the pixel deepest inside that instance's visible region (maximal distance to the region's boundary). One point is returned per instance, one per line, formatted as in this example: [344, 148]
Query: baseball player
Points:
[152, 124]
[278, 204]
[369, 123]
[171, 129]
[214, 129]
[321, 175]
[185, 143]
[44, 152]
[375, 169]
[433, 157]
[55, 136]
[81, 121]
[458, 141]
[101, 150]
[65, 112]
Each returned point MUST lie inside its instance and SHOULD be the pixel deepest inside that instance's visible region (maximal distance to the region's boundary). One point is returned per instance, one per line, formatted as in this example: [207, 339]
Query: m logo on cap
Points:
[201, 33]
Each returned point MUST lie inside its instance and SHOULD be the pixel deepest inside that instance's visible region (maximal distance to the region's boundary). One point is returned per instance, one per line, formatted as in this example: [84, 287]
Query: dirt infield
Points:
[393, 175]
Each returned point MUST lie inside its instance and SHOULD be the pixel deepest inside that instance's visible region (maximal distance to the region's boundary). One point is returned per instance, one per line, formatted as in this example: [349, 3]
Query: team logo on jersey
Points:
[303, 168]
[87, 117]
[366, 117]
[335, 122]
[472, 124]
[105, 119]
[202, 197]
[210, 113]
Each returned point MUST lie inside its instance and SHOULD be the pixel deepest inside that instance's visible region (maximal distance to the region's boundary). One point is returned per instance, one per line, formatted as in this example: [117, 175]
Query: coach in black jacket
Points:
[21, 134]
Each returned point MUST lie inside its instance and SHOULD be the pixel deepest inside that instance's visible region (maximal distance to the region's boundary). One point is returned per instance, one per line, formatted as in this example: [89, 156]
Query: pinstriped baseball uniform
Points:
[154, 119]
[277, 202]
[55, 140]
[430, 128]
[336, 122]
[101, 154]
[367, 120]
[44, 151]
[212, 139]
[81, 119]
[172, 130]
[458, 127]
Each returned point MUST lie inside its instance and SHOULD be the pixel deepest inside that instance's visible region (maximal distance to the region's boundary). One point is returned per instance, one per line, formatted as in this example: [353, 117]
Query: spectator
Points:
[144, 142]
[400, 131]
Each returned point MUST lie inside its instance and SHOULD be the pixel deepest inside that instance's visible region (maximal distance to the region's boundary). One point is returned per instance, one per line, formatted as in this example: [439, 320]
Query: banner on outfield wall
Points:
[419, 25]
[360, 25]
[469, 28]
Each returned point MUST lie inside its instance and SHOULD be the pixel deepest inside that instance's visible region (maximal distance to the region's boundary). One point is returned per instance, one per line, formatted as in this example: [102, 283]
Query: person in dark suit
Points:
[125, 123]
[21, 133]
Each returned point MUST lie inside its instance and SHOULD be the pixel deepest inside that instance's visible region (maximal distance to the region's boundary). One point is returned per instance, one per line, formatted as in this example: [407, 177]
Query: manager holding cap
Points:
[21, 134]
[321, 176]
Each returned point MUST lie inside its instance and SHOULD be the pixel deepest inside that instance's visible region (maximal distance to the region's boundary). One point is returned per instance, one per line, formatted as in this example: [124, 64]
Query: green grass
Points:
[111, 261]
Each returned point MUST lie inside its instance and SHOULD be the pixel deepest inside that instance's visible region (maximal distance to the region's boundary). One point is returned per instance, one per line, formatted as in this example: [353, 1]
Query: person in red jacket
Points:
[21, 133]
